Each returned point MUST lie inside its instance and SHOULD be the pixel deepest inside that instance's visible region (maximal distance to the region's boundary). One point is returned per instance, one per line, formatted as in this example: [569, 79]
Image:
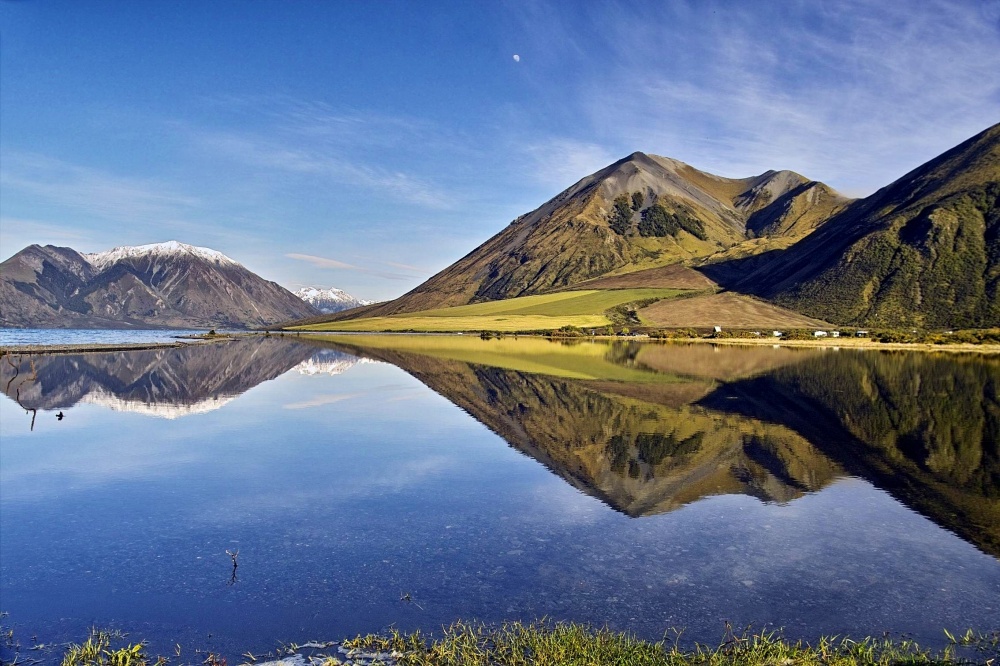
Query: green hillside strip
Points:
[589, 302]
[531, 355]
[420, 324]
[583, 309]
[583, 302]
[505, 306]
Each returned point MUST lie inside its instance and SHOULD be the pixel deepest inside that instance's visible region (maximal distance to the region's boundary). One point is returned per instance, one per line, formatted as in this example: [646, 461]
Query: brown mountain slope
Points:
[674, 276]
[641, 212]
[727, 309]
[924, 251]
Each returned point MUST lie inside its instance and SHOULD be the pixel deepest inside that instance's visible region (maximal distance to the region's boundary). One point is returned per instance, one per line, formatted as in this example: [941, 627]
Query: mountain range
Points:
[923, 251]
[168, 382]
[163, 285]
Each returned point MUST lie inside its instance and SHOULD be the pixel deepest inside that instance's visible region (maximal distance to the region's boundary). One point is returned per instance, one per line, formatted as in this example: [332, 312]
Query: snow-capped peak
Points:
[170, 248]
[305, 293]
[329, 300]
[329, 362]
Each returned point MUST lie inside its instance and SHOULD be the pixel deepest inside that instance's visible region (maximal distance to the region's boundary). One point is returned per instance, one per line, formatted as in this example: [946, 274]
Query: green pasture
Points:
[583, 309]
[421, 324]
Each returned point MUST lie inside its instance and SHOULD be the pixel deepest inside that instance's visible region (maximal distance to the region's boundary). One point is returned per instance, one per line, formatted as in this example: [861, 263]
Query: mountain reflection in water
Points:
[646, 428]
[167, 382]
[771, 423]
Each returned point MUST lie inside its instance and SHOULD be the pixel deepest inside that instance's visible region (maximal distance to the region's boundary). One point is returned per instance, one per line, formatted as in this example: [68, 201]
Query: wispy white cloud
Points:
[391, 476]
[876, 90]
[336, 264]
[855, 93]
[342, 126]
[322, 262]
[341, 146]
[322, 400]
[299, 159]
[17, 233]
[560, 162]
[407, 267]
[91, 190]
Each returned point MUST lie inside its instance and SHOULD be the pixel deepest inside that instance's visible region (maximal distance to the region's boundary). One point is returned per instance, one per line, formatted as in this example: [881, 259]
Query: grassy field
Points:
[583, 309]
[420, 324]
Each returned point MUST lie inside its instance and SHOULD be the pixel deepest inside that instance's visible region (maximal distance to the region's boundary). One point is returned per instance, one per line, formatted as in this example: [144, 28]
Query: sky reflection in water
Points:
[343, 492]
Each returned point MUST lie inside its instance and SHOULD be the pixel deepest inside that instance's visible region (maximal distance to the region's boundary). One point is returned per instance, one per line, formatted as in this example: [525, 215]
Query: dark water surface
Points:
[639, 486]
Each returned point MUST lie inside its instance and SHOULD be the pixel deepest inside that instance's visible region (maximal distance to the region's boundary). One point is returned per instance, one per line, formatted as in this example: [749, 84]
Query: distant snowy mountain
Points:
[329, 300]
[162, 285]
[329, 362]
[168, 249]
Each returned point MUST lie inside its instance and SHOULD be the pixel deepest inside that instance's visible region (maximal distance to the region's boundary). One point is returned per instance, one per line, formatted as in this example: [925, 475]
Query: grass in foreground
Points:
[517, 644]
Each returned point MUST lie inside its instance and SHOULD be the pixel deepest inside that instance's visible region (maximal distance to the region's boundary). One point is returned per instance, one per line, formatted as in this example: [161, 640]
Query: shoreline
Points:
[828, 343]
[544, 642]
[850, 343]
[985, 348]
[99, 347]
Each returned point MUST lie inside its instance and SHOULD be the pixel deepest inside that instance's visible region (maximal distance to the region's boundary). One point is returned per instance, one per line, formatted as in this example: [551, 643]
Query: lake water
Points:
[411, 481]
[79, 336]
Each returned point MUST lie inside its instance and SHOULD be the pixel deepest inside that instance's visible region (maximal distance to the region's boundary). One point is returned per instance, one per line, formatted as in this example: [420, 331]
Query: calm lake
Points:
[414, 480]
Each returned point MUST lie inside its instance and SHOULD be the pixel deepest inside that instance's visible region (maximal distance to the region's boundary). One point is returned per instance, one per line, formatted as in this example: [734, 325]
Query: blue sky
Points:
[367, 145]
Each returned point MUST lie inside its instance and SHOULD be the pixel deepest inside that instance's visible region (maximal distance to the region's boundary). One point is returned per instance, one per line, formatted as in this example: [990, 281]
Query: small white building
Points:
[834, 334]
[778, 334]
[718, 329]
[820, 334]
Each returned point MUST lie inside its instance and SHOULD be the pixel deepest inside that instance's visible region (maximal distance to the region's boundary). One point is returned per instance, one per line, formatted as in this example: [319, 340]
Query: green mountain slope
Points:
[924, 251]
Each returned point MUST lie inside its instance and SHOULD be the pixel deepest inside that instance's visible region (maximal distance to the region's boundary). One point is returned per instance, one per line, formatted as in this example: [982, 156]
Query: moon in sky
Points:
[517, 58]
